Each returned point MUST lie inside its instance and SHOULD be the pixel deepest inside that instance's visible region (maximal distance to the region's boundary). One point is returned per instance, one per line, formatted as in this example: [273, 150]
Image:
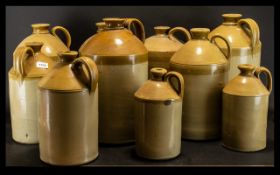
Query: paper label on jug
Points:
[40, 64]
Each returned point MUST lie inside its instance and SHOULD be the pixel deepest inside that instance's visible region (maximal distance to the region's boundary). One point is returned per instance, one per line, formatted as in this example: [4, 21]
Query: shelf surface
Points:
[193, 153]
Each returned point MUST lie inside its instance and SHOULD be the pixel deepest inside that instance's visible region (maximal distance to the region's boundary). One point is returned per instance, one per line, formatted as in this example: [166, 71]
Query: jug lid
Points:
[199, 50]
[62, 77]
[161, 41]
[246, 83]
[157, 89]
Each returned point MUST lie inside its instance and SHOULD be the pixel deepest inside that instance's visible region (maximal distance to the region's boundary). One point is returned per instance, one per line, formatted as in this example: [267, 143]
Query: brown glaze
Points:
[52, 43]
[158, 120]
[29, 65]
[163, 45]
[245, 107]
[244, 38]
[204, 68]
[68, 112]
[122, 64]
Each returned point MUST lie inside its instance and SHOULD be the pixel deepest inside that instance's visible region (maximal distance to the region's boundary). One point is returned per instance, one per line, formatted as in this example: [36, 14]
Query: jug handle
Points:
[139, 29]
[20, 56]
[91, 69]
[262, 69]
[179, 29]
[251, 28]
[212, 40]
[65, 32]
[180, 80]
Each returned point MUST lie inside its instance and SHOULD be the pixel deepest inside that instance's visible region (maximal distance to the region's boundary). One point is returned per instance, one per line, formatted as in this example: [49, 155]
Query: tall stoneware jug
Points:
[244, 38]
[163, 45]
[68, 111]
[159, 117]
[29, 66]
[204, 67]
[245, 107]
[52, 43]
[122, 62]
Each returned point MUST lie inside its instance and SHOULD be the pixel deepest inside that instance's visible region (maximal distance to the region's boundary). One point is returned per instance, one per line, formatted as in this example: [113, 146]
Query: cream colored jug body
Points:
[68, 112]
[159, 116]
[244, 38]
[29, 66]
[245, 108]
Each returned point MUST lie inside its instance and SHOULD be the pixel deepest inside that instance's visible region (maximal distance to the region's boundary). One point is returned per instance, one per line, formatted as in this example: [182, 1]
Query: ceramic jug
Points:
[204, 68]
[122, 62]
[163, 45]
[244, 38]
[245, 107]
[68, 111]
[29, 66]
[158, 120]
[52, 43]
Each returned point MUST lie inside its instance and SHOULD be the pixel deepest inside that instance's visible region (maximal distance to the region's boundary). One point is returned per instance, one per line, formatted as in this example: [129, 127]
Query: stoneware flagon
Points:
[68, 111]
[29, 66]
[163, 45]
[204, 68]
[244, 38]
[245, 108]
[122, 62]
[52, 43]
[159, 117]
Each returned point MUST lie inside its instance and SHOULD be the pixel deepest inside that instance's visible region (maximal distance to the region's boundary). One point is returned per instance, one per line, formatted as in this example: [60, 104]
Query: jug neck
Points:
[40, 28]
[246, 69]
[36, 46]
[114, 23]
[161, 30]
[231, 19]
[200, 33]
[68, 56]
[157, 73]
[100, 26]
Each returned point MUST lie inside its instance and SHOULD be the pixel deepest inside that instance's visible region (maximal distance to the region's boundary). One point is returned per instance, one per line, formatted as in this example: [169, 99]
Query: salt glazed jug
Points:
[204, 68]
[163, 45]
[244, 38]
[159, 117]
[29, 66]
[245, 107]
[52, 43]
[122, 62]
[68, 111]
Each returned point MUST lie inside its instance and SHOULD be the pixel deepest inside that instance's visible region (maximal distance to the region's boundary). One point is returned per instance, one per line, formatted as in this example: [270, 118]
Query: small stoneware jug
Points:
[29, 66]
[68, 111]
[245, 107]
[163, 45]
[52, 43]
[158, 120]
[204, 68]
[122, 62]
[244, 37]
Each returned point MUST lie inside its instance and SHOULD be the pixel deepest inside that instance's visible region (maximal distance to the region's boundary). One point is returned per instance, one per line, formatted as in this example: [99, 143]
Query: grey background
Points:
[80, 21]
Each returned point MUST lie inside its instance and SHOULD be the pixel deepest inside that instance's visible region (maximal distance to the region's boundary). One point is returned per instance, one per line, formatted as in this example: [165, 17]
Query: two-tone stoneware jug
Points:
[245, 107]
[29, 66]
[68, 111]
[159, 117]
[52, 43]
[163, 45]
[122, 62]
[204, 67]
[244, 38]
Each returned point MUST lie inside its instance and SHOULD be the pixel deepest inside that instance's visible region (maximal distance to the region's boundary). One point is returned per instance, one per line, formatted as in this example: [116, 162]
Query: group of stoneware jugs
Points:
[207, 88]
